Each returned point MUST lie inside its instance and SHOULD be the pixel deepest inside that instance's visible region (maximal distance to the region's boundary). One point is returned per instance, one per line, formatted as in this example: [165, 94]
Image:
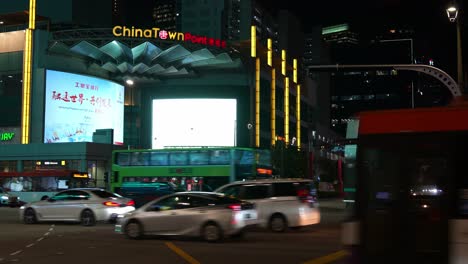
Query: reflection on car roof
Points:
[275, 180]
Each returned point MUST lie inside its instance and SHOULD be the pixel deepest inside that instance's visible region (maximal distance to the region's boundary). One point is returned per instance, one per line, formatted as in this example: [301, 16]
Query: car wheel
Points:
[133, 230]
[87, 218]
[211, 232]
[278, 223]
[29, 216]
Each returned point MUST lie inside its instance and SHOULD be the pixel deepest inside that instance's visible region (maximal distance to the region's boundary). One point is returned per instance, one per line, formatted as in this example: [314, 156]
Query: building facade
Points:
[90, 80]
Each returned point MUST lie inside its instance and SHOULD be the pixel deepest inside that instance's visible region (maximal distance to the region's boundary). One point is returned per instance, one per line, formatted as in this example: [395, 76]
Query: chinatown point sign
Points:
[157, 33]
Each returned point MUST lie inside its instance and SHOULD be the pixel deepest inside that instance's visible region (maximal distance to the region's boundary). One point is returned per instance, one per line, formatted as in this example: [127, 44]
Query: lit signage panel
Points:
[194, 122]
[76, 105]
[10, 135]
[157, 33]
[12, 41]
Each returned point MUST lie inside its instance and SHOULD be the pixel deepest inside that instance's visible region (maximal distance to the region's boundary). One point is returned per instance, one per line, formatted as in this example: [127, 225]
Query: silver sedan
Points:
[209, 215]
[84, 205]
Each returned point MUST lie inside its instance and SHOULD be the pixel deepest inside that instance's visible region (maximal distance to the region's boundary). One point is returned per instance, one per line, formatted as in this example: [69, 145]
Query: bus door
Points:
[404, 200]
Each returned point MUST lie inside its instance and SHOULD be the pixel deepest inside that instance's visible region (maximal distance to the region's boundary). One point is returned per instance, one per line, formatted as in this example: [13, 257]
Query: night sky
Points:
[435, 35]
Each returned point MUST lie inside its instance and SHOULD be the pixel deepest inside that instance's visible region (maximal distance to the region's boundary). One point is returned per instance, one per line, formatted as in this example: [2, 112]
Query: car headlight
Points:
[4, 197]
[22, 207]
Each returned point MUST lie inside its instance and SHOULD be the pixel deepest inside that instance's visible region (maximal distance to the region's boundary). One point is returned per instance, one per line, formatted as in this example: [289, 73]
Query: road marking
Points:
[46, 234]
[328, 258]
[182, 253]
[1, 259]
[39, 239]
[30, 245]
[16, 252]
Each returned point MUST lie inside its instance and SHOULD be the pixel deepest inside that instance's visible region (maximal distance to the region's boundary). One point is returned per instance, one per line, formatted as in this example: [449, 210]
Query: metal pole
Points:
[412, 81]
[459, 58]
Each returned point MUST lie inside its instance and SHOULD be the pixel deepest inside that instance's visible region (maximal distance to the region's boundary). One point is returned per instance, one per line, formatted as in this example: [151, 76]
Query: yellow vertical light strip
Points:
[253, 41]
[257, 103]
[26, 89]
[270, 52]
[286, 110]
[27, 74]
[273, 107]
[295, 70]
[32, 14]
[283, 62]
[298, 117]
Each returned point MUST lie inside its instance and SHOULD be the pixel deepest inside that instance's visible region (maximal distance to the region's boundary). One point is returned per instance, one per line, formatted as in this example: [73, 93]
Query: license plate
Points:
[247, 216]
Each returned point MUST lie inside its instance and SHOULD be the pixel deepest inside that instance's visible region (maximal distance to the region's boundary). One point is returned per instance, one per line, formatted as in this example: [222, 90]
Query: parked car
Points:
[281, 203]
[212, 216]
[84, 205]
[8, 199]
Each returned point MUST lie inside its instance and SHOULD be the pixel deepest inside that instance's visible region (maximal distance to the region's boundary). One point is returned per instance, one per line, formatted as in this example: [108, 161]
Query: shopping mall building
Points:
[71, 96]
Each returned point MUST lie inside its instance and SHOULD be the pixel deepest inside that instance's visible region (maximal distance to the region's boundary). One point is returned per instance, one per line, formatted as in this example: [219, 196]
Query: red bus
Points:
[411, 200]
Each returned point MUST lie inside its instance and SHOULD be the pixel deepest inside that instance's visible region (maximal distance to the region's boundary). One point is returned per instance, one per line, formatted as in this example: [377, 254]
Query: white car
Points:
[8, 199]
[209, 215]
[281, 203]
[84, 205]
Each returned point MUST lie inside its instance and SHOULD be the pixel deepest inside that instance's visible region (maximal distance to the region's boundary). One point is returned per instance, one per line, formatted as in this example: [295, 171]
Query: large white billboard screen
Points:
[76, 105]
[194, 122]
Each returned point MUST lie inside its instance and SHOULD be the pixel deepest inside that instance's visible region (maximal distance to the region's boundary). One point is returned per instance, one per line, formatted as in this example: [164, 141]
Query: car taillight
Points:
[304, 197]
[235, 207]
[130, 203]
[111, 204]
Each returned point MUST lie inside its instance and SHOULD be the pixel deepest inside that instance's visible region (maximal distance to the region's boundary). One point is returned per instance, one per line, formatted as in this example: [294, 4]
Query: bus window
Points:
[123, 159]
[199, 158]
[159, 159]
[178, 158]
[220, 157]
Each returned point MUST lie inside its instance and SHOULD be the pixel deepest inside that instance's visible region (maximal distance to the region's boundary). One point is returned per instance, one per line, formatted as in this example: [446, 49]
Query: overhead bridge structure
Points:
[439, 74]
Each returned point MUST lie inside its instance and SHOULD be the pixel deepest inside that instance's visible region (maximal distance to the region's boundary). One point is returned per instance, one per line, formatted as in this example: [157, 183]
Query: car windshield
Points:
[105, 194]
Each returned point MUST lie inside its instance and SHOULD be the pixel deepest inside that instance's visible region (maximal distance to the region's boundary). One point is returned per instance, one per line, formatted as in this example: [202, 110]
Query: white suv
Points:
[281, 203]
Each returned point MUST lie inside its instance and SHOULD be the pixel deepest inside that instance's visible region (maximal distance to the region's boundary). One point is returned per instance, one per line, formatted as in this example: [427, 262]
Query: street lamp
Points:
[452, 13]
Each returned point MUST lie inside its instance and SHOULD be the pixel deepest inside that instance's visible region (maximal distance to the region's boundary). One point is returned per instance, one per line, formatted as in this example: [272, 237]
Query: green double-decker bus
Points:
[194, 168]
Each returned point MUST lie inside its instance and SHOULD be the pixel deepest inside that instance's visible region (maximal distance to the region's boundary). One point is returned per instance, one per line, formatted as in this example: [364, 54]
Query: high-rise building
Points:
[240, 15]
[166, 14]
[366, 88]
[72, 13]
[118, 12]
[202, 17]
